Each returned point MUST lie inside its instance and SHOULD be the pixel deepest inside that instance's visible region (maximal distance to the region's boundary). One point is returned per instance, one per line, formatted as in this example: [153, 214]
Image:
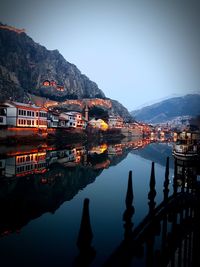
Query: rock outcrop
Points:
[29, 69]
[26, 65]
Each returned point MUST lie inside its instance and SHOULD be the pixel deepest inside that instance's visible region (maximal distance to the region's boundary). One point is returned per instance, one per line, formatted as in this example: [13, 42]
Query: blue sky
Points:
[136, 51]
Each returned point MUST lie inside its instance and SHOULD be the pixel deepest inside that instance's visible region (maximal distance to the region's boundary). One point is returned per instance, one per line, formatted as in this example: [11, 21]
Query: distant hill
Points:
[28, 68]
[188, 105]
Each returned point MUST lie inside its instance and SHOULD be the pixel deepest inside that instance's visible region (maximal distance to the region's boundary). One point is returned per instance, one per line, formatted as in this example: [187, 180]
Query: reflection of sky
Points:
[145, 49]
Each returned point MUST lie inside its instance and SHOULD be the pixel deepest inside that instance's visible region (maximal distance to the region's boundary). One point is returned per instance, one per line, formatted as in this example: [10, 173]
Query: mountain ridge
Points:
[187, 105]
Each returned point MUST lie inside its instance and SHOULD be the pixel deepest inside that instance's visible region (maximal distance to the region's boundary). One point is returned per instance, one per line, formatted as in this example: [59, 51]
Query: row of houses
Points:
[28, 115]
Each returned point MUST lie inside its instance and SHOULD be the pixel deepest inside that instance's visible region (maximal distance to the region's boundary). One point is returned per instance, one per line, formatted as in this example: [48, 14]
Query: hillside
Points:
[28, 68]
[25, 65]
[188, 105]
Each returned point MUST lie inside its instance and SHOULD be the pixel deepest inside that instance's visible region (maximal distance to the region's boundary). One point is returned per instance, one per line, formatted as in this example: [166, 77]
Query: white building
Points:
[53, 119]
[72, 119]
[3, 120]
[115, 122]
[99, 124]
[24, 115]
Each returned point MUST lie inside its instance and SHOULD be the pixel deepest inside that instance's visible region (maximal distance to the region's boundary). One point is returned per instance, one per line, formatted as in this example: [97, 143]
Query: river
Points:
[42, 190]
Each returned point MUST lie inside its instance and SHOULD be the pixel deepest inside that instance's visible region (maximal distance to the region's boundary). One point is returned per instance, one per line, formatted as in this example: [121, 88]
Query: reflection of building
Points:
[22, 165]
[186, 172]
[2, 167]
[98, 149]
[115, 149]
[29, 163]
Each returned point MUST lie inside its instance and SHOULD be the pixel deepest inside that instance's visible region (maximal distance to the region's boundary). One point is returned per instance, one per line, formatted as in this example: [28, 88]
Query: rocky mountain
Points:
[27, 68]
[26, 65]
[167, 110]
[118, 108]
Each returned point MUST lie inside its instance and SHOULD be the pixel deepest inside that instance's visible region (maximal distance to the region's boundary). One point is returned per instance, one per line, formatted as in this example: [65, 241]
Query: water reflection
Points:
[38, 180]
[186, 173]
[169, 233]
[157, 152]
[86, 251]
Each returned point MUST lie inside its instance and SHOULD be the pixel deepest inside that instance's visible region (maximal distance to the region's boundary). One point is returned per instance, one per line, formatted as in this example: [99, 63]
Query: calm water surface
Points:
[42, 192]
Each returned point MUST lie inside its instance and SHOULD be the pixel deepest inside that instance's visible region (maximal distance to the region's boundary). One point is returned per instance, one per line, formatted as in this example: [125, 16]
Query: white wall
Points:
[11, 116]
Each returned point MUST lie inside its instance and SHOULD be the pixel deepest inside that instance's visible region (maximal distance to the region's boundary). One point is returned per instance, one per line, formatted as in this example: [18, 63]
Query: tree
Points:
[98, 113]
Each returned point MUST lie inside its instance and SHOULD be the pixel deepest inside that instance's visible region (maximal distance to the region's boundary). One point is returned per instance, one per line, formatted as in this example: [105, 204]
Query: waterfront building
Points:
[24, 115]
[53, 119]
[99, 124]
[3, 119]
[63, 121]
[72, 119]
[115, 122]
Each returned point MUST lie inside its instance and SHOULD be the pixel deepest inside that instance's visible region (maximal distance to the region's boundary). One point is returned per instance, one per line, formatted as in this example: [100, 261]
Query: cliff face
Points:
[25, 65]
[29, 69]
[120, 110]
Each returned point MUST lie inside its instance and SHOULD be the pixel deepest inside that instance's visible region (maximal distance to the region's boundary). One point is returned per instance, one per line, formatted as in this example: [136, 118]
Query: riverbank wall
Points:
[12, 135]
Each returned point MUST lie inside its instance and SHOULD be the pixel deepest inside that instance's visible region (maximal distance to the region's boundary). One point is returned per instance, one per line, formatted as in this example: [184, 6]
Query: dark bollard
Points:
[87, 252]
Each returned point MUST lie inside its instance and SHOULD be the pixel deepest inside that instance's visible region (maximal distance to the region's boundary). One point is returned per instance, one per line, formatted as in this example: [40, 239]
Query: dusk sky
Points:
[136, 51]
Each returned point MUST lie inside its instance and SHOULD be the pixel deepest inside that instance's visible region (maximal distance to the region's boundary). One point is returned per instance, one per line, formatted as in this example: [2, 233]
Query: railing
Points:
[175, 221]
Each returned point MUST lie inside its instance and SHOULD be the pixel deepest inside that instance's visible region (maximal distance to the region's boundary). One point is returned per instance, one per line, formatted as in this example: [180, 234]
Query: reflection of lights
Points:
[78, 159]
[99, 149]
[44, 180]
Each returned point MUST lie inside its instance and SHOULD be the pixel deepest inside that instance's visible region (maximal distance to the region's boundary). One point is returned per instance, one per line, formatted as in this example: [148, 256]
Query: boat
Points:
[187, 145]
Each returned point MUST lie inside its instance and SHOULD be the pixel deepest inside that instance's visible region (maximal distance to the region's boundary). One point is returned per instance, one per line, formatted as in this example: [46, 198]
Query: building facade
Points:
[115, 122]
[24, 115]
